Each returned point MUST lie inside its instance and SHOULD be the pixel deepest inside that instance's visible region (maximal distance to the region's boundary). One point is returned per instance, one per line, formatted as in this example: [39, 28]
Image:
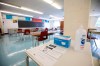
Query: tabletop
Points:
[64, 57]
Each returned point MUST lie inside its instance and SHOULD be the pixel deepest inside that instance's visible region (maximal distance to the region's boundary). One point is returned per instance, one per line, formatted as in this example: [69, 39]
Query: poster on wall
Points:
[15, 19]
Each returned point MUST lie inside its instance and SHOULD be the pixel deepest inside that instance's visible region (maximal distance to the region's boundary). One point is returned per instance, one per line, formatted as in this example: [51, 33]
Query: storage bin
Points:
[62, 41]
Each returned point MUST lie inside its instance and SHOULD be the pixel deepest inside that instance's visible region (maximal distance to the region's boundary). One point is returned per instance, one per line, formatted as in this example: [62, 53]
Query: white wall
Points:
[8, 23]
[54, 23]
[1, 23]
[92, 21]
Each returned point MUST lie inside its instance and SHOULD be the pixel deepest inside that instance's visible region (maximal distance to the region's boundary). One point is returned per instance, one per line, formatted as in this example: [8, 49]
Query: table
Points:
[12, 31]
[94, 32]
[68, 58]
[38, 33]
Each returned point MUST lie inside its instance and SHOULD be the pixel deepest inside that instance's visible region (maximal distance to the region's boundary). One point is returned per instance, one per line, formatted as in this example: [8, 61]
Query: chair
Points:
[36, 29]
[46, 29]
[20, 33]
[43, 36]
[89, 36]
[26, 32]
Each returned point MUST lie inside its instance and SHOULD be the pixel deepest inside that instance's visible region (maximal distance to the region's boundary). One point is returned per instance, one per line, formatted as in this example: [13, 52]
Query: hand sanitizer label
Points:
[83, 40]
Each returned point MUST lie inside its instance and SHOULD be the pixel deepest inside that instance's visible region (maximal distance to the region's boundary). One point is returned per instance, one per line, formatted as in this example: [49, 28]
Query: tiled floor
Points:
[12, 51]
[96, 50]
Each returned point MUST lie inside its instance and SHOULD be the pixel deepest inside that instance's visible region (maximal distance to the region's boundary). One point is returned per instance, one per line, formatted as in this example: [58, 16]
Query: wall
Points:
[0, 19]
[1, 24]
[92, 21]
[76, 13]
[9, 23]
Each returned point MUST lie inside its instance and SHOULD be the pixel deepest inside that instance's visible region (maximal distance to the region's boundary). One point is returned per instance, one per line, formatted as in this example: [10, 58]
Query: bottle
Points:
[80, 38]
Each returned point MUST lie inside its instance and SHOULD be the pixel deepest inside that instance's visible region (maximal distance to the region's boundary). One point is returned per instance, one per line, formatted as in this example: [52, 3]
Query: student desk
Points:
[94, 32]
[38, 33]
[68, 58]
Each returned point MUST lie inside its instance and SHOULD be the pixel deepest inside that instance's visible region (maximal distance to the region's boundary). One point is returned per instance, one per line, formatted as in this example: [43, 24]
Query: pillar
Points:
[76, 13]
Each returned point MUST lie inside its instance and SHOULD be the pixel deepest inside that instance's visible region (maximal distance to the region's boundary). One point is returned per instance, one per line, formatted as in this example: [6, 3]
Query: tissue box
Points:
[62, 41]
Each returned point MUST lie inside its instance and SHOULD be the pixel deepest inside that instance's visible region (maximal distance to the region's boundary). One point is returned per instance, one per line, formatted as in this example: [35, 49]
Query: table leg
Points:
[27, 61]
[90, 36]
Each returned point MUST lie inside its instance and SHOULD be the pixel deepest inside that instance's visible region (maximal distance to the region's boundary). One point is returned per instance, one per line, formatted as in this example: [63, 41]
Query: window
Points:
[98, 22]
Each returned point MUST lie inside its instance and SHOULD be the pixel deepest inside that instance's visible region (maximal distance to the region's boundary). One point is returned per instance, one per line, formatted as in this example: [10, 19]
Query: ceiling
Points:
[95, 8]
[47, 9]
[38, 5]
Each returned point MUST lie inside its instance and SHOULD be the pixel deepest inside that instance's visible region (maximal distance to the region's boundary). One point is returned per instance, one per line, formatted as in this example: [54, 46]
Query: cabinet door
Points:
[61, 25]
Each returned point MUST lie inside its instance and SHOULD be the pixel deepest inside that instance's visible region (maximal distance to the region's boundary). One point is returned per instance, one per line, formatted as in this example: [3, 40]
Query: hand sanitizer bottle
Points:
[80, 38]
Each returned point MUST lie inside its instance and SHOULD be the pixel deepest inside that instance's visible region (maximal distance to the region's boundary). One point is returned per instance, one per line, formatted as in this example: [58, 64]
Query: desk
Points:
[38, 33]
[69, 58]
[94, 32]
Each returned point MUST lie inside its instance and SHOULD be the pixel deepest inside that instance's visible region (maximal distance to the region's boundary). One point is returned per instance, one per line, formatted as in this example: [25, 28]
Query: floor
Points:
[96, 50]
[12, 50]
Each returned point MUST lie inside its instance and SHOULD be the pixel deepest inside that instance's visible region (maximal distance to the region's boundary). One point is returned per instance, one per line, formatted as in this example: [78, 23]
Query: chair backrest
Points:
[20, 31]
[55, 28]
[43, 36]
[26, 31]
[88, 34]
[36, 29]
[46, 29]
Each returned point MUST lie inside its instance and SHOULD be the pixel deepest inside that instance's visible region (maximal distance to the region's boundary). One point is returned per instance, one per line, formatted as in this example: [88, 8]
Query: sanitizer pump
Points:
[80, 38]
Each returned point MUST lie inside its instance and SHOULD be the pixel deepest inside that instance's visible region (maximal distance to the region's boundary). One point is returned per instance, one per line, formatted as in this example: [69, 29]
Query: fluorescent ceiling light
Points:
[53, 4]
[15, 13]
[56, 5]
[55, 17]
[22, 8]
[48, 1]
[9, 5]
[27, 9]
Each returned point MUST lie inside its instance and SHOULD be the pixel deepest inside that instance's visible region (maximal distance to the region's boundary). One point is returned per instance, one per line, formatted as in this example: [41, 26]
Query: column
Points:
[76, 13]
[1, 23]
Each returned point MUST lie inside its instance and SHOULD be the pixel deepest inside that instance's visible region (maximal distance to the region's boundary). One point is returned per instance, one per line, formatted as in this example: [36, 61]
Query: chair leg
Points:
[38, 43]
[43, 42]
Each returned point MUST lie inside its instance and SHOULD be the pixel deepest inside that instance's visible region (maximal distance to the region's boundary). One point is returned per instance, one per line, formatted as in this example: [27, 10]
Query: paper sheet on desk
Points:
[45, 59]
[60, 49]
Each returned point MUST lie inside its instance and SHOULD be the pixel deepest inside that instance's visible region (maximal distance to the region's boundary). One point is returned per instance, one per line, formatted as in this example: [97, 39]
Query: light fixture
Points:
[22, 8]
[19, 14]
[56, 5]
[54, 17]
[53, 4]
[9, 5]
[27, 9]
[48, 1]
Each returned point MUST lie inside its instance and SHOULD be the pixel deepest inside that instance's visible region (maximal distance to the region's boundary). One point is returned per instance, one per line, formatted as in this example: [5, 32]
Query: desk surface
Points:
[69, 58]
[38, 33]
[95, 31]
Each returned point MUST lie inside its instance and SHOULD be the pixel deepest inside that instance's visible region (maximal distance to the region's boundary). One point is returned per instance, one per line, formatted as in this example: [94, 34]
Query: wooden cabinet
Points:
[61, 25]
